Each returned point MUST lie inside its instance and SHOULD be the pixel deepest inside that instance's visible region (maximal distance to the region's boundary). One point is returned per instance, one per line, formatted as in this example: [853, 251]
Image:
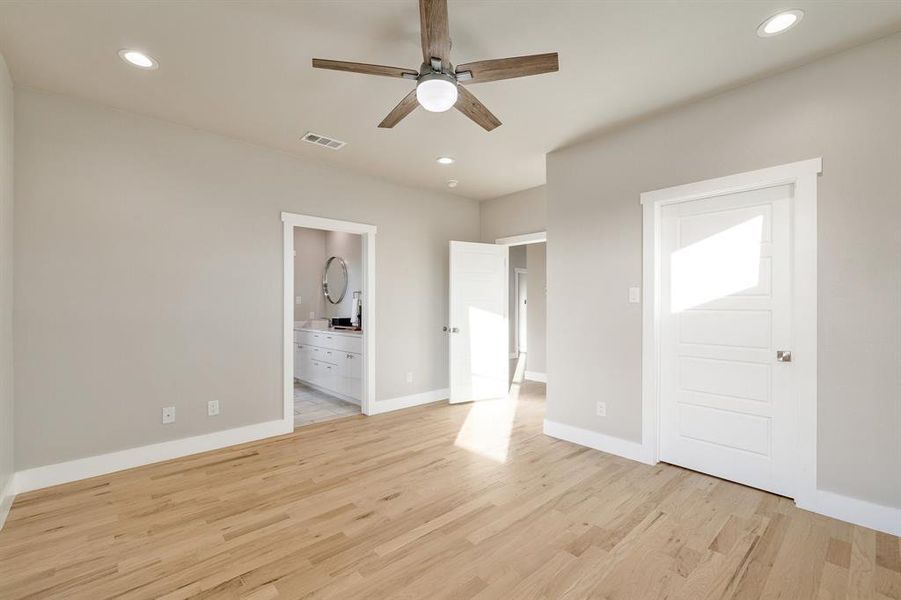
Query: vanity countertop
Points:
[327, 329]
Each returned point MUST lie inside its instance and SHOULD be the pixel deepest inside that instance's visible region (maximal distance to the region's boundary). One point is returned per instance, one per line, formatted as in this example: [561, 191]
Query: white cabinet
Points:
[301, 361]
[350, 374]
[330, 361]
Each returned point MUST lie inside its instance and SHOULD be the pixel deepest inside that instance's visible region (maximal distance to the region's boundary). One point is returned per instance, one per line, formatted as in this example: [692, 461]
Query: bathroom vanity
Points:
[330, 360]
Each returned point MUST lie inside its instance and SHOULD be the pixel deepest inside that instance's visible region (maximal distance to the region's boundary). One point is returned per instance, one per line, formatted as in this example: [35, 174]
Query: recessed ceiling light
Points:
[452, 183]
[138, 59]
[444, 160]
[780, 23]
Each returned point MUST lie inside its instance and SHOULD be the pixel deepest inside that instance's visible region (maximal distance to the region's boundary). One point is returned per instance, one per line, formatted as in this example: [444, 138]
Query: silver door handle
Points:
[455, 330]
[445, 329]
[783, 355]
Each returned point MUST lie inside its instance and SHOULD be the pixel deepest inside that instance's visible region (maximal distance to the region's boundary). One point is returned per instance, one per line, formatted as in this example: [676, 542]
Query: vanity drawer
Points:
[324, 375]
[314, 338]
[349, 343]
[318, 353]
[333, 357]
[328, 339]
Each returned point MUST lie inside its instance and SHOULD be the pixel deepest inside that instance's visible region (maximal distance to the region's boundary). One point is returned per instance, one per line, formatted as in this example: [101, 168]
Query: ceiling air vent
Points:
[321, 140]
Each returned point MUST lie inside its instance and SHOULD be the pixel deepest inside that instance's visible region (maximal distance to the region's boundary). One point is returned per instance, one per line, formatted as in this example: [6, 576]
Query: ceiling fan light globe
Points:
[436, 94]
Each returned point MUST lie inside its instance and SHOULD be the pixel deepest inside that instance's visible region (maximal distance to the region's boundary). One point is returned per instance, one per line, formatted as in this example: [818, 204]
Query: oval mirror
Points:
[334, 279]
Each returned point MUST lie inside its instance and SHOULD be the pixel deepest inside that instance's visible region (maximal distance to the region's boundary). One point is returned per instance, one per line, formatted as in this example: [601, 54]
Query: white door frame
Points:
[523, 239]
[367, 232]
[517, 271]
[803, 176]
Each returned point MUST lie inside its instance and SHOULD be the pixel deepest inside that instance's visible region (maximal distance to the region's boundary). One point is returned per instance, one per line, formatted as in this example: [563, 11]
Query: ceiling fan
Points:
[437, 80]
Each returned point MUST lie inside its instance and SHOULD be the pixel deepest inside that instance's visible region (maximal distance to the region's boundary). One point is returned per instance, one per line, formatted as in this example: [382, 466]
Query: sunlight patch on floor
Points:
[489, 424]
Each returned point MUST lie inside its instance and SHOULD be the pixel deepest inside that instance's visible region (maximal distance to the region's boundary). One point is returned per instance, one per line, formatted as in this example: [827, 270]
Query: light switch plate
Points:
[602, 409]
[409, 377]
[634, 295]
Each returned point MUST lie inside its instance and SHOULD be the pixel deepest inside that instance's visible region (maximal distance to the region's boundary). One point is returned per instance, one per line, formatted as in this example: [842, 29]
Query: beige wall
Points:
[309, 260]
[536, 263]
[518, 213]
[6, 283]
[844, 108]
[151, 256]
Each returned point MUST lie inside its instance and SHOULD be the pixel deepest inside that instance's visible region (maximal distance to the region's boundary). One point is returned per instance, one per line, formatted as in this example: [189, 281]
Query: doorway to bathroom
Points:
[329, 270]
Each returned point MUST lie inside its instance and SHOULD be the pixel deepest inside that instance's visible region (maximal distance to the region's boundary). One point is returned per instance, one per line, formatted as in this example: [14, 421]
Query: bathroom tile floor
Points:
[313, 406]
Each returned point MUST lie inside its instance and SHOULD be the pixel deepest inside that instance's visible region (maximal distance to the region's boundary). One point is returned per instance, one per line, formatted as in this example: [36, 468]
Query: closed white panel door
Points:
[726, 403]
[478, 325]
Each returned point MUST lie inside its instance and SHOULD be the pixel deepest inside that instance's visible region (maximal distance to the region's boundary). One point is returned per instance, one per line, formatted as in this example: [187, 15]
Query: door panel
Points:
[731, 430]
[738, 328]
[726, 405]
[725, 378]
[478, 324]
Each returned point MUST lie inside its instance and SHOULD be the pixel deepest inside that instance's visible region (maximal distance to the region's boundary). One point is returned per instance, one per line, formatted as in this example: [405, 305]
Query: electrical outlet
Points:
[297, 300]
[634, 295]
[212, 408]
[602, 409]
[410, 377]
[168, 415]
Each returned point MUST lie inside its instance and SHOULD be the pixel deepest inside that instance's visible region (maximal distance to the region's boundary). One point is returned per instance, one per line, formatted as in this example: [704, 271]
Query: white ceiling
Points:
[243, 69]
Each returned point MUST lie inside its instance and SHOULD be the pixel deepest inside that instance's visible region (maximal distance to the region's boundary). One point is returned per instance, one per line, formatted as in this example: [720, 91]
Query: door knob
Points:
[455, 330]
[783, 355]
[445, 329]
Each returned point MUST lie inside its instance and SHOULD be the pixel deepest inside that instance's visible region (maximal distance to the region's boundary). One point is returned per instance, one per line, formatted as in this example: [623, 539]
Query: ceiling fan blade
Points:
[470, 106]
[355, 67]
[508, 68]
[404, 108]
[434, 31]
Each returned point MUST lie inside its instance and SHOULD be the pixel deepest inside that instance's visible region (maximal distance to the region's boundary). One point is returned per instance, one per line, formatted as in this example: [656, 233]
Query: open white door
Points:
[478, 327]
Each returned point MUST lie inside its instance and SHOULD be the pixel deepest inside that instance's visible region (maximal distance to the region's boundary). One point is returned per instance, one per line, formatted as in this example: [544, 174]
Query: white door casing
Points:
[726, 404]
[478, 321]
[522, 313]
[800, 320]
[368, 233]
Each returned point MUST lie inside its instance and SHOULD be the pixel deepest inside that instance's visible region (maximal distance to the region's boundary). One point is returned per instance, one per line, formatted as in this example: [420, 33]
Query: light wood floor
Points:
[390, 507]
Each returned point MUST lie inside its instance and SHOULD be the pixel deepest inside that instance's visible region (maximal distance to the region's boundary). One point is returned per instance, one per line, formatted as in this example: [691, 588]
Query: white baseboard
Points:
[383, 406]
[7, 495]
[598, 441]
[853, 510]
[92, 466]
[536, 376]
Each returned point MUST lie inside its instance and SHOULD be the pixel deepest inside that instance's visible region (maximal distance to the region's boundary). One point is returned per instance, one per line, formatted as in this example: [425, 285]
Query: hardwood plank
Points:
[391, 506]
